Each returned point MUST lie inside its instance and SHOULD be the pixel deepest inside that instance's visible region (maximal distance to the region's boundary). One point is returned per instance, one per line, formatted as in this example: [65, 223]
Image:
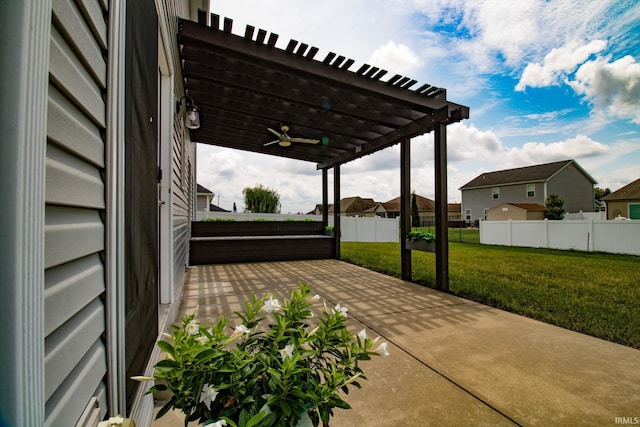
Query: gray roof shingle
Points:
[535, 173]
[629, 191]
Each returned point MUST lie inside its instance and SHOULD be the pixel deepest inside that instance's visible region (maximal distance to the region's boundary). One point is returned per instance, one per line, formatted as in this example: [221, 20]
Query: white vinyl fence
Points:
[353, 229]
[586, 215]
[621, 237]
[363, 229]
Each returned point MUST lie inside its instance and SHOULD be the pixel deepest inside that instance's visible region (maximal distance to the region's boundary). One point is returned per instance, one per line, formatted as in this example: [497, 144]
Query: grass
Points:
[593, 293]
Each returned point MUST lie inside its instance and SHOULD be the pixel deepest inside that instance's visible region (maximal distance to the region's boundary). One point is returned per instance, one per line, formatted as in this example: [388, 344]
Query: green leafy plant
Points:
[260, 199]
[421, 236]
[555, 207]
[328, 228]
[278, 364]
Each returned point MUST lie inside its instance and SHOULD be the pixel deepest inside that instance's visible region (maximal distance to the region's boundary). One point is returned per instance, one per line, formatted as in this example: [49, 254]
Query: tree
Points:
[555, 207]
[600, 193]
[260, 199]
[415, 215]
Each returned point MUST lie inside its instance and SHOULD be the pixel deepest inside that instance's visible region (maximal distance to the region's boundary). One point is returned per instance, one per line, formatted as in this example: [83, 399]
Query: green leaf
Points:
[256, 419]
[167, 363]
[166, 408]
[167, 348]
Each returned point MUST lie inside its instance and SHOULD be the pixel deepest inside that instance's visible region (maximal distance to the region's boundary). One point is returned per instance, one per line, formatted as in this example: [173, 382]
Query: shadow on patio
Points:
[453, 361]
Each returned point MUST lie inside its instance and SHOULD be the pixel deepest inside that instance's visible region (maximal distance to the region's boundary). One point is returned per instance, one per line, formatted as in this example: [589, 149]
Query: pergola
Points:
[243, 85]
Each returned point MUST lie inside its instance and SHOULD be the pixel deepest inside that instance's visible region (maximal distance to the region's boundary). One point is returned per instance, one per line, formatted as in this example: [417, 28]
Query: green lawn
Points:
[596, 294]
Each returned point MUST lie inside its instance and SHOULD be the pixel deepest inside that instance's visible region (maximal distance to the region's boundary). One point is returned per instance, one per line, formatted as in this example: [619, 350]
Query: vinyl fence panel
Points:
[621, 237]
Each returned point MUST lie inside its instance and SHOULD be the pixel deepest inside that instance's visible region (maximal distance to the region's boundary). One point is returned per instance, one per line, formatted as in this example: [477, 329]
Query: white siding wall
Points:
[75, 357]
[183, 151]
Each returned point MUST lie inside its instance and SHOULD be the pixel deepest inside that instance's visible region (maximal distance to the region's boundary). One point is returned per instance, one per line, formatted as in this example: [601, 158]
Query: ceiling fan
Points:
[284, 140]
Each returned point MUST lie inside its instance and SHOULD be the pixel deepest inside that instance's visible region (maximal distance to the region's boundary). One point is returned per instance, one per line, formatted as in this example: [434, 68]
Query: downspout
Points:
[25, 28]
[114, 259]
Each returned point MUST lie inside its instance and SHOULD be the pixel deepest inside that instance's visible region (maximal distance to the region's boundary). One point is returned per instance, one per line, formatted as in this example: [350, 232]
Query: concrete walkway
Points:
[453, 362]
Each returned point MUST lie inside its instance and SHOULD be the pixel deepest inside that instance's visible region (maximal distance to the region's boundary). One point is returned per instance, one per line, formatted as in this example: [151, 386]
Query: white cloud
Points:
[573, 148]
[612, 87]
[557, 64]
[397, 58]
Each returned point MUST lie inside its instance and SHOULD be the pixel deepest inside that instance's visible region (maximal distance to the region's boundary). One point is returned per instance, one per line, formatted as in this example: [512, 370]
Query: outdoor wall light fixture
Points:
[193, 117]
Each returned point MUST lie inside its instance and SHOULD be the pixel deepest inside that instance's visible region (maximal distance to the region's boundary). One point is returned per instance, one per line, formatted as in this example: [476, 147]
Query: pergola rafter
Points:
[245, 84]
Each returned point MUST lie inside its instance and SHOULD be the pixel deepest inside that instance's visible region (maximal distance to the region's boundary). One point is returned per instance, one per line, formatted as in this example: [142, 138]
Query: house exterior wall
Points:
[479, 199]
[75, 312]
[64, 271]
[624, 208]
[505, 212]
[574, 187]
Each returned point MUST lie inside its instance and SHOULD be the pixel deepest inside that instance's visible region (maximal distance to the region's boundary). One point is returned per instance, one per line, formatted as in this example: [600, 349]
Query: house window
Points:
[495, 193]
[467, 215]
[486, 210]
[531, 190]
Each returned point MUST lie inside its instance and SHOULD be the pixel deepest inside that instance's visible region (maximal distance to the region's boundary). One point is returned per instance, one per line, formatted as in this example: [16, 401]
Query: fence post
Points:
[510, 233]
[590, 241]
[546, 233]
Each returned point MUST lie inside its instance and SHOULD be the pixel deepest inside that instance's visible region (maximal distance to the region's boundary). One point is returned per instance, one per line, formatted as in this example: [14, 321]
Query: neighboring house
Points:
[216, 208]
[349, 206]
[528, 185]
[516, 212]
[624, 202]
[204, 196]
[426, 209]
[94, 249]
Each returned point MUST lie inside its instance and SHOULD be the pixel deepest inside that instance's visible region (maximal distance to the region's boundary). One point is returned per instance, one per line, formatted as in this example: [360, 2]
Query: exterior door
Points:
[141, 198]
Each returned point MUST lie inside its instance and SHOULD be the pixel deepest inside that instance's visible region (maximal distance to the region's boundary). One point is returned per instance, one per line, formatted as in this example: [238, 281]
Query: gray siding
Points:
[182, 156]
[479, 199]
[574, 187]
[75, 355]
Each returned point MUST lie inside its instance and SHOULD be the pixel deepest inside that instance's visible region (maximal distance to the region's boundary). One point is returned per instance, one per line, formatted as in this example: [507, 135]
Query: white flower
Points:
[270, 305]
[363, 334]
[286, 352]
[241, 329]
[193, 328]
[142, 378]
[382, 349]
[208, 394]
[202, 339]
[313, 331]
[316, 297]
[221, 423]
[341, 310]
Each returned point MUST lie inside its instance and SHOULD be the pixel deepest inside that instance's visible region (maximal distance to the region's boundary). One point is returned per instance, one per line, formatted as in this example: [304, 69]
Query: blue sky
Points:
[545, 81]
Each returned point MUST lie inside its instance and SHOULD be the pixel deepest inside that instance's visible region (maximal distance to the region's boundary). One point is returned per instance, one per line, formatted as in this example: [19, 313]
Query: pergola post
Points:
[405, 210]
[336, 209]
[441, 214]
[325, 197]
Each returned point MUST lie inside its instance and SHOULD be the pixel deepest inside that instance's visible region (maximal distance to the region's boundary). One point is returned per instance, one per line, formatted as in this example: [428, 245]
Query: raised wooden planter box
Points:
[420, 245]
[256, 228]
[252, 241]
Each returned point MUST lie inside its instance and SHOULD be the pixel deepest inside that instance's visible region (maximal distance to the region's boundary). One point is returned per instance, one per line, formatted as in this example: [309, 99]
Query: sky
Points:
[544, 81]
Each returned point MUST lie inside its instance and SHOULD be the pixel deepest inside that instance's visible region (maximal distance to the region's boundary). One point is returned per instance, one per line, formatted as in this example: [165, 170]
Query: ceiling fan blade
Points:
[276, 133]
[305, 140]
[271, 143]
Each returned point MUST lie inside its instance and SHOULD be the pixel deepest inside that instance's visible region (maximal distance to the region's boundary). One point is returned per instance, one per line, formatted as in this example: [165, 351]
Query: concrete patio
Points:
[453, 362]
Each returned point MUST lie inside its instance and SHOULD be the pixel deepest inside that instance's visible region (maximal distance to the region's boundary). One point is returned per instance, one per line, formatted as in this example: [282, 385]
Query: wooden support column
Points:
[405, 207]
[336, 208]
[441, 214]
[325, 197]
